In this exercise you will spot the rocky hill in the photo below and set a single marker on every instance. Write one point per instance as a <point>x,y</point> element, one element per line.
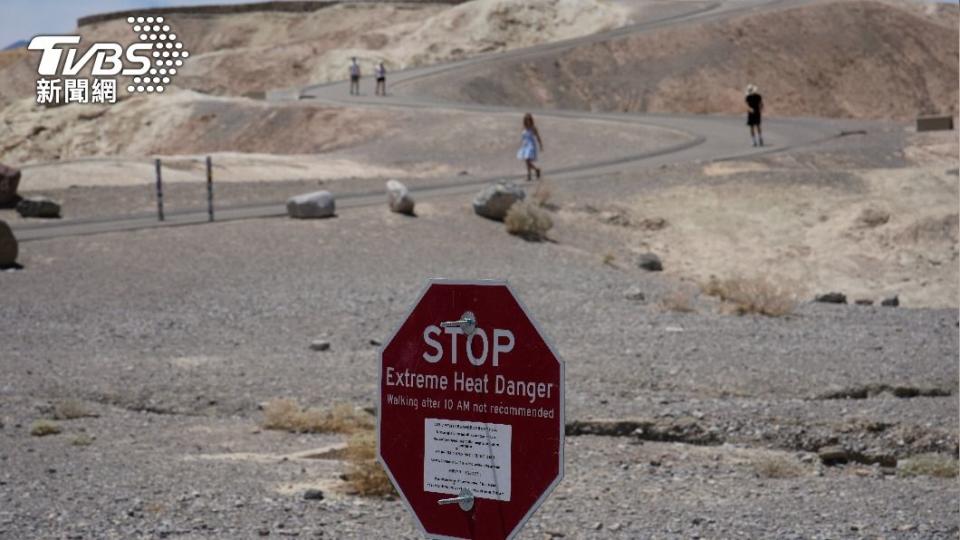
<point>859,59</point>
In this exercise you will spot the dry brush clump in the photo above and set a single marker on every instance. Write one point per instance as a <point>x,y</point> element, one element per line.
<point>288,415</point>
<point>543,195</point>
<point>679,300</point>
<point>777,467</point>
<point>937,465</point>
<point>42,428</point>
<point>71,409</point>
<point>752,295</point>
<point>365,475</point>
<point>528,221</point>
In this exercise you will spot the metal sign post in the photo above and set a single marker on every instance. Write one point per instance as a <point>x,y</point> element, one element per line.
<point>159,192</point>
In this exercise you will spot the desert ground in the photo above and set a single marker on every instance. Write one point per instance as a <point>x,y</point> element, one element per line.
<point>143,365</point>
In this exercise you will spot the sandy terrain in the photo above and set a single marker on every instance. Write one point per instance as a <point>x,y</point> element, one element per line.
<point>684,419</point>
<point>173,336</point>
<point>900,63</point>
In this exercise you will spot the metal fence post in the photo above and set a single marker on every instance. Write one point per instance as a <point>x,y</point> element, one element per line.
<point>210,187</point>
<point>159,193</point>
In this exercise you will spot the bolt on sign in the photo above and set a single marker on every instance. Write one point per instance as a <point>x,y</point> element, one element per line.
<point>470,425</point>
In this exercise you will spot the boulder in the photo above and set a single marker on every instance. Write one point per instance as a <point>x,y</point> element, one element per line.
<point>650,261</point>
<point>399,198</point>
<point>831,298</point>
<point>319,204</point>
<point>892,301</point>
<point>493,201</point>
<point>8,246</point>
<point>38,207</point>
<point>863,302</point>
<point>9,182</point>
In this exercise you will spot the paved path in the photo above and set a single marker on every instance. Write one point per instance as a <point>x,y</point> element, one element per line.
<point>710,135</point>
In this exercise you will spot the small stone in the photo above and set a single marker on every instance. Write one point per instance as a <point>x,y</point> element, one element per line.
<point>313,495</point>
<point>892,301</point>
<point>9,247</point>
<point>375,342</point>
<point>831,298</point>
<point>634,293</point>
<point>38,207</point>
<point>597,526</point>
<point>264,532</point>
<point>398,198</point>
<point>650,261</point>
<point>319,204</point>
<point>320,345</point>
<point>493,201</point>
<point>832,455</point>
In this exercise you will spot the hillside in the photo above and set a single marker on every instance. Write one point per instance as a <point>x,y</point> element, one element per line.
<point>858,59</point>
<point>253,52</point>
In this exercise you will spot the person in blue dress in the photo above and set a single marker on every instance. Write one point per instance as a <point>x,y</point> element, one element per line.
<point>530,143</point>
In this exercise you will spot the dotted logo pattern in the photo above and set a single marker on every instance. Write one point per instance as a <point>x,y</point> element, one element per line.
<point>168,54</point>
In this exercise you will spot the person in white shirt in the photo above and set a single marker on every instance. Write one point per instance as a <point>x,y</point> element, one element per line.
<point>354,78</point>
<point>381,89</point>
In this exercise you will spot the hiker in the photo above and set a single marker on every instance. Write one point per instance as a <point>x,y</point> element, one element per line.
<point>354,78</point>
<point>381,89</point>
<point>754,110</point>
<point>528,150</point>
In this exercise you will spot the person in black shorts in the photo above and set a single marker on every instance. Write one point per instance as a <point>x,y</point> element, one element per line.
<point>354,78</point>
<point>754,112</point>
<point>381,88</point>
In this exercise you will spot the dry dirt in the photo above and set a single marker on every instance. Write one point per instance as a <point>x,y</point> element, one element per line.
<point>901,62</point>
<point>238,54</point>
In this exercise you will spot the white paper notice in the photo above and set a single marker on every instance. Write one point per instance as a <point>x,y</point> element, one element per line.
<point>472,455</point>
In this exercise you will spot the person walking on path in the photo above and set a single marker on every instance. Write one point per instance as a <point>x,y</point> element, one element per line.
<point>754,111</point>
<point>381,89</point>
<point>528,149</point>
<point>354,78</point>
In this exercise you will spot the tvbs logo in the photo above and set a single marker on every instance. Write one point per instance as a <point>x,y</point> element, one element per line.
<point>152,62</point>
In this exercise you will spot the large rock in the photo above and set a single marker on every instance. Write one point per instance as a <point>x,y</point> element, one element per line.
<point>8,246</point>
<point>38,207</point>
<point>319,204</point>
<point>399,198</point>
<point>9,182</point>
<point>493,201</point>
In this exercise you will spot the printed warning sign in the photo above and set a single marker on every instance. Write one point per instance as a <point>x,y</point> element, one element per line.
<point>471,455</point>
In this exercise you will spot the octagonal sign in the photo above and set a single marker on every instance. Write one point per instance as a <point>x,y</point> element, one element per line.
<point>470,424</point>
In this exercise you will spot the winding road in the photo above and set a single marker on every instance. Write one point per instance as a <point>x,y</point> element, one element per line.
<point>709,136</point>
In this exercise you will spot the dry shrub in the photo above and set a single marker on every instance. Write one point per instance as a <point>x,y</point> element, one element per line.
<point>42,428</point>
<point>777,467</point>
<point>71,409</point>
<point>288,415</point>
<point>609,259</point>
<point>365,475</point>
<point>678,300</point>
<point>528,221</point>
<point>937,465</point>
<point>543,194</point>
<point>752,295</point>
<point>82,440</point>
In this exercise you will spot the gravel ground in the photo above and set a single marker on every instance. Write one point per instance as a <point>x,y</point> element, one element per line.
<point>175,336</point>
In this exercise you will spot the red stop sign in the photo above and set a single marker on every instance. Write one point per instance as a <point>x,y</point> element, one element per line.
<point>471,409</point>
